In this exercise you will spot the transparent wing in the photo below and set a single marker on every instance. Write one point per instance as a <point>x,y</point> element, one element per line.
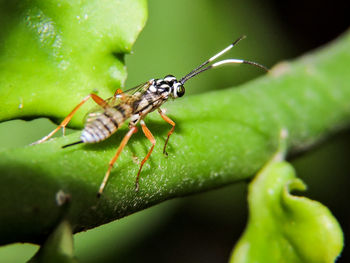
<point>97,110</point>
<point>127,96</point>
<point>138,90</point>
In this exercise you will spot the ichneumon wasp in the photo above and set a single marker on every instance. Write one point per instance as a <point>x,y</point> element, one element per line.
<point>135,104</point>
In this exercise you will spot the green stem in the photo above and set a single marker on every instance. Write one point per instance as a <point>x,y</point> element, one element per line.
<point>220,138</point>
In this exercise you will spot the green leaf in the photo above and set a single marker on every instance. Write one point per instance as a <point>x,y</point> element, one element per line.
<point>53,53</point>
<point>220,138</point>
<point>283,227</point>
<point>58,248</point>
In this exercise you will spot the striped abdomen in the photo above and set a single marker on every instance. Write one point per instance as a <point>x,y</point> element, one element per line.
<point>100,125</point>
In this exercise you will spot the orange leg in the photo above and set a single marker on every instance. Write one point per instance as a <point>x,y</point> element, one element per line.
<point>114,159</point>
<point>118,92</point>
<point>150,137</point>
<point>64,123</point>
<point>168,120</point>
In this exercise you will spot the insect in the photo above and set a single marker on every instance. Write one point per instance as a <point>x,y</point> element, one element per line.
<point>135,104</point>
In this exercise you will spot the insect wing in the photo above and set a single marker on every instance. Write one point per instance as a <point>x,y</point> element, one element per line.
<point>132,94</point>
<point>97,110</point>
<point>135,91</point>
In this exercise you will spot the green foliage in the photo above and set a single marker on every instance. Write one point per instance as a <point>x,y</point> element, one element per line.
<point>58,248</point>
<point>220,138</point>
<point>53,53</point>
<point>284,227</point>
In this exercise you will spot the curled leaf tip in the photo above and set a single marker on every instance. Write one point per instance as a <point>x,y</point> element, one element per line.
<point>291,223</point>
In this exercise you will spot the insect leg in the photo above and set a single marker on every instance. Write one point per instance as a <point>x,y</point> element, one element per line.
<point>66,120</point>
<point>150,137</point>
<point>118,92</point>
<point>171,122</point>
<point>114,159</point>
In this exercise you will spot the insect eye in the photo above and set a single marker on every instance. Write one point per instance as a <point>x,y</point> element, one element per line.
<point>180,90</point>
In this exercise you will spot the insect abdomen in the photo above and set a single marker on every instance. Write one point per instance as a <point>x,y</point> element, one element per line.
<point>101,125</point>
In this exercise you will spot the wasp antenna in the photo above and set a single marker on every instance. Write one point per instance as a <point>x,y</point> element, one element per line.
<point>226,49</point>
<point>239,61</point>
<point>71,144</point>
<point>200,68</point>
<point>223,62</point>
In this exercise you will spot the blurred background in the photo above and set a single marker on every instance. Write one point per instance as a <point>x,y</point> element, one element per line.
<point>178,36</point>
